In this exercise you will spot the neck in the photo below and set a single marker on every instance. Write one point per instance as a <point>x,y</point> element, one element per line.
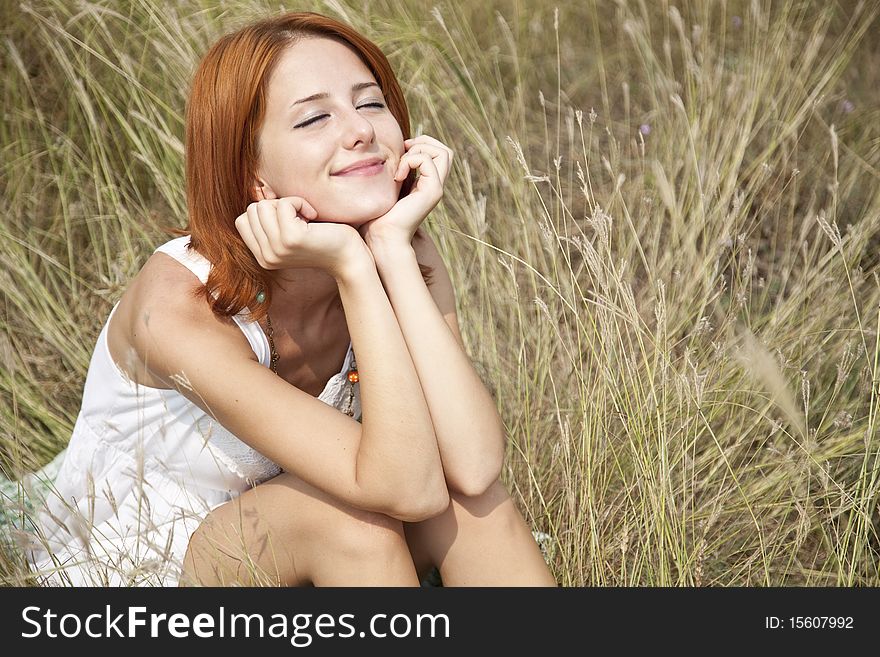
<point>304,295</point>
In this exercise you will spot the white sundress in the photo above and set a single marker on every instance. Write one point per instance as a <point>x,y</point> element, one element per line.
<point>143,468</point>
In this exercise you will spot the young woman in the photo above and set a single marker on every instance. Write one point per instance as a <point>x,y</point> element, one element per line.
<point>219,441</point>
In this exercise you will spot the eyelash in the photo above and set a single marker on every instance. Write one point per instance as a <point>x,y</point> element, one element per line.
<point>323,116</point>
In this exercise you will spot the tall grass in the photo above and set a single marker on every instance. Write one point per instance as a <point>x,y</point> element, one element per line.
<point>662,227</point>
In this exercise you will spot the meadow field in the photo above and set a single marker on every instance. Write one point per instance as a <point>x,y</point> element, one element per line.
<point>662,225</point>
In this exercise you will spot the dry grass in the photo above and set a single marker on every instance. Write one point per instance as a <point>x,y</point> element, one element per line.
<point>662,226</point>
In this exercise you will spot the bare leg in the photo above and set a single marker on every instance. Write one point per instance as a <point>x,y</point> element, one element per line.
<point>285,532</point>
<point>481,541</point>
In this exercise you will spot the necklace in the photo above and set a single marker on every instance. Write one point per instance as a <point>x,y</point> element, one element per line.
<point>352,375</point>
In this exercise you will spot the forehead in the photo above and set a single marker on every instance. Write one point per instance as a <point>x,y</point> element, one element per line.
<point>315,65</point>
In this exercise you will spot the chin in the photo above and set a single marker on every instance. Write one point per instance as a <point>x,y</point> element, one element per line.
<point>361,215</point>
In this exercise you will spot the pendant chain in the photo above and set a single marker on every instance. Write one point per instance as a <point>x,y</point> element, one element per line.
<point>352,376</point>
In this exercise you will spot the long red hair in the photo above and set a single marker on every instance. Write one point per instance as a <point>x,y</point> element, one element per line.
<point>224,113</point>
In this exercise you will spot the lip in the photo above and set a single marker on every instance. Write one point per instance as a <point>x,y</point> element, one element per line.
<point>368,167</point>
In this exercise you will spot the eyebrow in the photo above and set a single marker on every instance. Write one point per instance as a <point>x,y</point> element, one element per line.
<point>356,87</point>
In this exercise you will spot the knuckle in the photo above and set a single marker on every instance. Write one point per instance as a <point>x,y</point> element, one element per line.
<point>291,203</point>
<point>290,238</point>
<point>288,241</point>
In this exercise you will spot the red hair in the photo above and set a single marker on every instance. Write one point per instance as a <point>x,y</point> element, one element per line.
<point>224,113</point>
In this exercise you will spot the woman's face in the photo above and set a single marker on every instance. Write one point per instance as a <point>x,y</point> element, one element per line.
<point>304,144</point>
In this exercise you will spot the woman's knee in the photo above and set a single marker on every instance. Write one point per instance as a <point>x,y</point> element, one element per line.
<point>308,530</point>
<point>244,541</point>
<point>361,549</point>
<point>493,511</point>
<point>215,558</point>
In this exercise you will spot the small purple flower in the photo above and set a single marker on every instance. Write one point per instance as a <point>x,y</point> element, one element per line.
<point>645,129</point>
<point>847,106</point>
<point>737,22</point>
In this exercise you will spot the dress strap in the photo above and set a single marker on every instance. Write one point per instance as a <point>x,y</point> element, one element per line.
<point>178,248</point>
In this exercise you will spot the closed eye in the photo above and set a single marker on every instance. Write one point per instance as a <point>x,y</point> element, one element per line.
<point>324,116</point>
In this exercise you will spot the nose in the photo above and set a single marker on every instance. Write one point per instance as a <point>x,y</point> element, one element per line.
<point>357,129</point>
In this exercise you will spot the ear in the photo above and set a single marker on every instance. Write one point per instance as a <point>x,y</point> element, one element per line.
<point>262,190</point>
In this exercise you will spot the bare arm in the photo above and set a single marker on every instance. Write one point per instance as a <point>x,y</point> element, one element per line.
<point>398,451</point>
<point>390,464</point>
<point>470,432</point>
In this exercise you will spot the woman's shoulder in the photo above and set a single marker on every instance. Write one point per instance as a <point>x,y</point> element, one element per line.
<point>164,289</point>
<point>189,259</point>
<point>162,282</point>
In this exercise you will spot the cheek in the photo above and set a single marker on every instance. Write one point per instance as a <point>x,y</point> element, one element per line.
<point>396,157</point>
<point>391,136</point>
<point>291,174</point>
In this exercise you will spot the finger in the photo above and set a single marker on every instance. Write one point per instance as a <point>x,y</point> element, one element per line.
<point>309,211</point>
<point>437,150</point>
<point>426,139</point>
<point>263,213</point>
<point>305,208</point>
<point>426,167</point>
<point>438,154</point>
<point>409,161</point>
<point>269,225</point>
<point>243,225</point>
<point>289,225</point>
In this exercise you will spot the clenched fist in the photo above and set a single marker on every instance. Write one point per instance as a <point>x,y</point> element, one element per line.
<point>281,235</point>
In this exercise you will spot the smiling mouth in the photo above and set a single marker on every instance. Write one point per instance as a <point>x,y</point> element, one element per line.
<point>370,170</point>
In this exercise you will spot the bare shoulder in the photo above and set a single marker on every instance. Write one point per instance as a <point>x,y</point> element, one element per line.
<point>162,290</point>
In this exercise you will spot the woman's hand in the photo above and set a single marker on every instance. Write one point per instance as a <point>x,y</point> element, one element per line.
<point>432,159</point>
<point>280,234</point>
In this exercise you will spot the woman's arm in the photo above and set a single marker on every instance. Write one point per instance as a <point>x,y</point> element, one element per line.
<point>398,442</point>
<point>389,464</point>
<point>469,429</point>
